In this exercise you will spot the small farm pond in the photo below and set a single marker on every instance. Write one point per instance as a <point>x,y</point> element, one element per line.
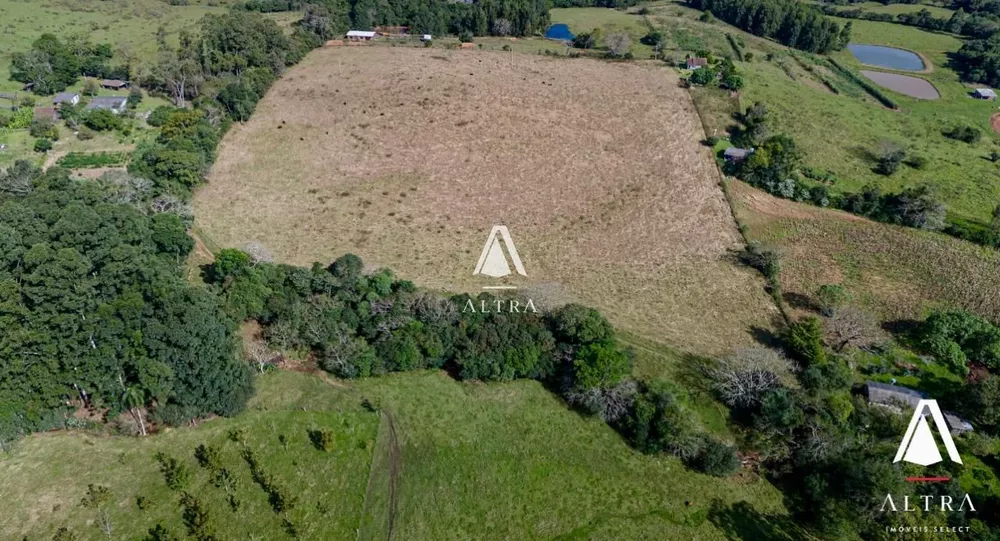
<point>559,31</point>
<point>887,57</point>
<point>914,87</point>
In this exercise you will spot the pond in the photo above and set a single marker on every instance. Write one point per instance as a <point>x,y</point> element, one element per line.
<point>904,84</point>
<point>887,57</point>
<point>559,31</point>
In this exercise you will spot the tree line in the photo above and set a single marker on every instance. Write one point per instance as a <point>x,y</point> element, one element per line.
<point>790,22</point>
<point>360,325</point>
<point>977,25</point>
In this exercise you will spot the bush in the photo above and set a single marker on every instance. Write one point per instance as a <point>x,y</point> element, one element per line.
<point>323,440</point>
<point>702,76</point>
<point>805,341</point>
<point>159,116</point>
<point>21,118</point>
<point>600,365</point>
<point>44,128</point>
<point>967,134</point>
<point>85,133</point>
<point>134,97</point>
<point>717,459</point>
<point>43,145</point>
<point>102,120</point>
<point>831,297</point>
<point>175,473</point>
<point>465,37</point>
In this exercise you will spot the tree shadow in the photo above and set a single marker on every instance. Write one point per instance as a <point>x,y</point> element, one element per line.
<point>863,153</point>
<point>766,337</point>
<point>900,327</point>
<point>800,301</point>
<point>740,521</point>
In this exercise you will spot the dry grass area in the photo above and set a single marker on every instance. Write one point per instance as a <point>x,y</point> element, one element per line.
<point>897,273</point>
<point>408,157</point>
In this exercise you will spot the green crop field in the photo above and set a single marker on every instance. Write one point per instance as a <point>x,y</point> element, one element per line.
<point>497,461</point>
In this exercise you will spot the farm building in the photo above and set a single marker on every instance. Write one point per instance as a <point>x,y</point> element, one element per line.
<point>48,113</point>
<point>956,425</point>
<point>71,98</point>
<point>737,155</point>
<point>115,104</point>
<point>892,395</point>
<point>425,37</point>
<point>696,63</point>
<point>360,35</point>
<point>114,84</point>
<point>985,94</point>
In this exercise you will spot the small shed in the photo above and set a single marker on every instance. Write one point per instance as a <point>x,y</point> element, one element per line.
<point>425,37</point>
<point>696,63</point>
<point>48,113</point>
<point>71,98</point>
<point>985,94</point>
<point>115,104</point>
<point>736,154</point>
<point>360,35</point>
<point>114,84</point>
<point>892,395</point>
<point>956,424</point>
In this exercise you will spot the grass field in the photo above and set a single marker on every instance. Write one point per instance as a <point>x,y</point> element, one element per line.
<point>505,461</point>
<point>407,157</point>
<point>47,475</point>
<point>130,24</point>
<point>838,132</point>
<point>896,272</point>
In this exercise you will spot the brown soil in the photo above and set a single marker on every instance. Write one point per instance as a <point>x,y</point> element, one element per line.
<point>995,122</point>
<point>408,157</point>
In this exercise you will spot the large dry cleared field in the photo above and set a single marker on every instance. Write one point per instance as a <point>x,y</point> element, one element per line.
<point>408,157</point>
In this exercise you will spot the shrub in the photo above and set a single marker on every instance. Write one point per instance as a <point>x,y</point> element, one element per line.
<point>208,457</point>
<point>44,128</point>
<point>43,145</point>
<point>966,134</point>
<point>134,97</point>
<point>323,440</point>
<point>702,76</point>
<point>85,134</point>
<point>916,162</point>
<point>717,459</point>
<point>102,120</point>
<point>831,297</point>
<point>21,118</point>
<point>600,365</point>
<point>159,116</point>
<point>175,473</point>
<point>805,340</point>
<point>465,37</point>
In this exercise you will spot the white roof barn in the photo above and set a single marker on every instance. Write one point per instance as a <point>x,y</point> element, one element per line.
<point>986,94</point>
<point>360,34</point>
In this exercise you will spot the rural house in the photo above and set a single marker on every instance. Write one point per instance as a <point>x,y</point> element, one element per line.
<point>892,395</point>
<point>696,63</point>
<point>114,84</point>
<point>360,35</point>
<point>71,98</point>
<point>47,113</point>
<point>736,154</point>
<point>115,104</point>
<point>985,94</point>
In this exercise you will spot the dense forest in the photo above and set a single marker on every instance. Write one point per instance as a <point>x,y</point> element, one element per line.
<point>790,22</point>
<point>486,17</point>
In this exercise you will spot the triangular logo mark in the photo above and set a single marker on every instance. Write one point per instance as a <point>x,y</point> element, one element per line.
<point>492,261</point>
<point>918,445</point>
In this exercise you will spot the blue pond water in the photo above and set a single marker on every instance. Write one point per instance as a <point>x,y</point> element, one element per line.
<point>559,31</point>
<point>886,57</point>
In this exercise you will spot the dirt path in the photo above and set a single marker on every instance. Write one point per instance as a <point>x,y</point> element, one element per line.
<point>395,465</point>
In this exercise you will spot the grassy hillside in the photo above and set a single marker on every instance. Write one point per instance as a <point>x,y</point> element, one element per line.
<point>474,461</point>
<point>896,272</point>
